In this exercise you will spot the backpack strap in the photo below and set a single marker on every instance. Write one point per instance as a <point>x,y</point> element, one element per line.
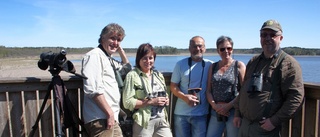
<point>236,80</point>
<point>144,85</point>
<point>214,66</point>
<point>155,74</point>
<point>273,87</point>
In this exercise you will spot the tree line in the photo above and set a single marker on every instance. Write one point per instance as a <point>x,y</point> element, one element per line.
<point>9,52</point>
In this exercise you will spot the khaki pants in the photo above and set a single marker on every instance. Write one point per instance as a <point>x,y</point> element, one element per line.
<point>157,127</point>
<point>98,128</point>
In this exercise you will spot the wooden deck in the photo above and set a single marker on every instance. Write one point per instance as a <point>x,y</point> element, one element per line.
<point>21,99</point>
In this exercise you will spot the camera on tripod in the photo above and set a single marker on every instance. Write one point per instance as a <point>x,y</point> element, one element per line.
<point>56,61</point>
<point>65,115</point>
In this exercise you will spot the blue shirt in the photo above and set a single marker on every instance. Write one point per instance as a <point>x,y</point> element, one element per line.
<point>180,75</point>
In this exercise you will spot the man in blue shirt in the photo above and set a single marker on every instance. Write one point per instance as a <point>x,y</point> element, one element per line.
<point>188,83</point>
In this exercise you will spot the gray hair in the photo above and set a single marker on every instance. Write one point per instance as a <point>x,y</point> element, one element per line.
<point>112,28</point>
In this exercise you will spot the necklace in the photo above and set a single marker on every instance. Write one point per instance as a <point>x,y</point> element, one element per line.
<point>224,66</point>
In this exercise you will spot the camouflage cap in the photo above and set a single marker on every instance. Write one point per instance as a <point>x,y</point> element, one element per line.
<point>271,24</point>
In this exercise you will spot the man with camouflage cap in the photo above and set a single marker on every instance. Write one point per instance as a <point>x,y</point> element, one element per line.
<point>272,90</point>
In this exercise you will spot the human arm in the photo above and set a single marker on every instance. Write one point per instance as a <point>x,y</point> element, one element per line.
<point>123,55</point>
<point>94,88</point>
<point>105,107</point>
<point>237,122</point>
<point>191,100</point>
<point>124,66</point>
<point>291,91</point>
<point>162,99</point>
<point>134,96</point>
<point>158,101</point>
<point>208,92</point>
<point>221,108</point>
<point>178,82</point>
<point>242,70</point>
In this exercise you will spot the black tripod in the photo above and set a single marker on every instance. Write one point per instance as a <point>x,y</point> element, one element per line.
<point>60,104</point>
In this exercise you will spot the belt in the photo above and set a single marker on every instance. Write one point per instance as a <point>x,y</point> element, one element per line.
<point>221,102</point>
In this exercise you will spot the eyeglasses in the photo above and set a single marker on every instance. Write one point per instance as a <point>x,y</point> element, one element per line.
<point>271,35</point>
<point>223,49</point>
<point>197,46</point>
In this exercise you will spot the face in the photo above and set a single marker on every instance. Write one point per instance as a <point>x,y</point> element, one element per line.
<point>197,48</point>
<point>146,62</point>
<point>111,43</point>
<point>270,41</point>
<point>225,50</point>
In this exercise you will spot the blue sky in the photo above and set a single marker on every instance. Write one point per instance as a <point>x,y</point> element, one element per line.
<point>78,23</point>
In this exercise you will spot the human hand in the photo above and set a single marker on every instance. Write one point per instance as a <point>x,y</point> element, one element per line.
<point>266,124</point>
<point>222,109</point>
<point>167,101</point>
<point>110,122</point>
<point>119,49</point>
<point>159,101</point>
<point>237,122</point>
<point>191,100</point>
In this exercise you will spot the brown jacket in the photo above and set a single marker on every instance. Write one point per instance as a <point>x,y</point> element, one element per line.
<point>288,93</point>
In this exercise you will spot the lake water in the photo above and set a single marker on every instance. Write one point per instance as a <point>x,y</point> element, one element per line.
<point>310,64</point>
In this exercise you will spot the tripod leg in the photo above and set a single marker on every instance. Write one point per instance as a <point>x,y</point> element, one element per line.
<point>58,101</point>
<point>57,117</point>
<point>35,126</point>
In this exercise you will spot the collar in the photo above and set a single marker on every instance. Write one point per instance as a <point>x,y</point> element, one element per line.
<point>141,73</point>
<point>275,55</point>
<point>105,52</point>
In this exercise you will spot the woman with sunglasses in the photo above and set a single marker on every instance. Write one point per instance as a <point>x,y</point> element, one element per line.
<point>224,80</point>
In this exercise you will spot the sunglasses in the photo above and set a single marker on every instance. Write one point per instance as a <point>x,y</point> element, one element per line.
<point>223,49</point>
<point>271,35</point>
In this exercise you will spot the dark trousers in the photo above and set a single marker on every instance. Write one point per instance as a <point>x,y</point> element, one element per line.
<point>253,129</point>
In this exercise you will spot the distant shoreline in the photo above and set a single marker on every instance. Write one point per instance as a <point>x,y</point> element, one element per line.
<point>27,67</point>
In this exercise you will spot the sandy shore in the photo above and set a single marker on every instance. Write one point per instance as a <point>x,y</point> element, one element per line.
<point>28,67</point>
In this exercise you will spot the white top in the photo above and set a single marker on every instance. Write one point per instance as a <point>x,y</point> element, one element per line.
<point>101,80</point>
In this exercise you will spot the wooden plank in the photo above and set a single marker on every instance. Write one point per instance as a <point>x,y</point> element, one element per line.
<point>46,116</point>
<point>31,111</point>
<point>285,130</point>
<point>33,84</point>
<point>296,123</point>
<point>311,118</point>
<point>312,90</point>
<point>4,124</point>
<point>13,87</point>
<point>34,100</point>
<point>16,113</point>
<point>73,96</point>
<point>306,122</point>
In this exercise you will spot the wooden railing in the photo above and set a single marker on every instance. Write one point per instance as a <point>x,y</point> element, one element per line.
<point>21,99</point>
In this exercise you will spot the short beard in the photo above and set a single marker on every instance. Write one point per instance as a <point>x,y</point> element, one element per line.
<point>197,57</point>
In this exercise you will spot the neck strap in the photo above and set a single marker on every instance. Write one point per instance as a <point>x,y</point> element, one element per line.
<point>144,85</point>
<point>190,64</point>
<point>109,57</point>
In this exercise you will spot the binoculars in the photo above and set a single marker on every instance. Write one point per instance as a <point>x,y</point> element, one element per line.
<point>222,118</point>
<point>195,92</point>
<point>119,79</point>
<point>256,83</point>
